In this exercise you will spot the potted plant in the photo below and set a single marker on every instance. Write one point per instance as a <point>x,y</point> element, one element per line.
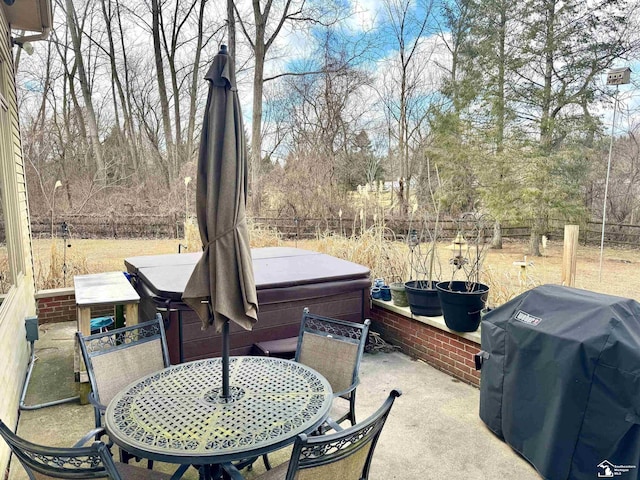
<point>424,261</point>
<point>425,265</point>
<point>464,300</point>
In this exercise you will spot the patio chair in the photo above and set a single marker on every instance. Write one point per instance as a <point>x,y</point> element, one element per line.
<point>116,358</point>
<point>334,348</point>
<point>78,462</point>
<point>344,455</point>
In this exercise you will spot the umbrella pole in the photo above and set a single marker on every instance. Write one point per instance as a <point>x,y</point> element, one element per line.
<point>225,359</point>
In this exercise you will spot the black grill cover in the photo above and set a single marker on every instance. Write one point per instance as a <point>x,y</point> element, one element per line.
<point>561,381</point>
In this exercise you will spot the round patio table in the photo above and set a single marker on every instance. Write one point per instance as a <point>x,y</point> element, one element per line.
<point>177,415</point>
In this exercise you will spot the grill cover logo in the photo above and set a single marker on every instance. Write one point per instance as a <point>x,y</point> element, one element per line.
<point>524,317</point>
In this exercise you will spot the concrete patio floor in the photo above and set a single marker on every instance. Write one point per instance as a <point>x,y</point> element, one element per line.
<point>433,431</point>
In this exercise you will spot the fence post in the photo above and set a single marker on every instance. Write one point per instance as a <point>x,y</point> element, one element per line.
<point>569,256</point>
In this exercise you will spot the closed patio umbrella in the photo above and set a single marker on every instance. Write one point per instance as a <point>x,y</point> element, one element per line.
<point>222,287</point>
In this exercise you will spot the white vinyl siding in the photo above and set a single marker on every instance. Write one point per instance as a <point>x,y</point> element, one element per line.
<point>19,302</point>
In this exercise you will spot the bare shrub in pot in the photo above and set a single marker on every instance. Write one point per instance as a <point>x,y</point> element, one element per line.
<point>464,299</point>
<point>470,247</point>
<point>425,268</point>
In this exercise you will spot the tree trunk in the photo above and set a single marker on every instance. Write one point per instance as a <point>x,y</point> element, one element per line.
<point>500,97</point>
<point>496,241</point>
<point>193,93</point>
<point>537,227</point>
<point>162,87</point>
<point>92,124</point>
<point>40,118</point>
<point>403,192</point>
<point>231,30</point>
<point>546,129</point>
<point>127,95</point>
<point>260,46</point>
<point>256,125</point>
<point>534,244</point>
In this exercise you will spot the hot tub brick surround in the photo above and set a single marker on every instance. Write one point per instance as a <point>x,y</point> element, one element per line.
<point>445,350</point>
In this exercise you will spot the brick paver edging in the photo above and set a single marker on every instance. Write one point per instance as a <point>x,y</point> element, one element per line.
<point>428,339</point>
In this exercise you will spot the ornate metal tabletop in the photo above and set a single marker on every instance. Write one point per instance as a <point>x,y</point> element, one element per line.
<point>177,415</point>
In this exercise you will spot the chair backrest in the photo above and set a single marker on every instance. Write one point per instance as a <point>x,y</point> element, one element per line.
<point>345,455</point>
<point>116,358</point>
<point>333,348</point>
<point>41,462</point>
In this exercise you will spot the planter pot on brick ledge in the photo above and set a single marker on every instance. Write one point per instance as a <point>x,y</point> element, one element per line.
<point>462,304</point>
<point>423,300</point>
<point>398,294</point>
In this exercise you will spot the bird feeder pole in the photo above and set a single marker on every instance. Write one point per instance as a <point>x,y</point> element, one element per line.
<point>617,77</point>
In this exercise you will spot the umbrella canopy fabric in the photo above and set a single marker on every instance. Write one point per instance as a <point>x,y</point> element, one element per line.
<point>222,285</point>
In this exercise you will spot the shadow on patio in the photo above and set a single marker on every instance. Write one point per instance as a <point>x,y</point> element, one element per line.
<point>433,431</point>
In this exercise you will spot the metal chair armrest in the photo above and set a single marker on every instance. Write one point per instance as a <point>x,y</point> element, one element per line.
<point>96,404</point>
<point>90,435</point>
<point>232,472</point>
<point>332,424</point>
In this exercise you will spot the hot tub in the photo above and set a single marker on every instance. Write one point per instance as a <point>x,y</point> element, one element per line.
<point>287,280</point>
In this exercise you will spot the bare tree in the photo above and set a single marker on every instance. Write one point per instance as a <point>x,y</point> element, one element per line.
<point>156,16</point>
<point>193,90</point>
<point>409,23</point>
<point>268,23</point>
<point>325,113</point>
<point>75,31</point>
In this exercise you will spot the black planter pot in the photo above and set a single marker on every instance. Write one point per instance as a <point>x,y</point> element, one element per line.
<point>422,300</point>
<point>461,306</point>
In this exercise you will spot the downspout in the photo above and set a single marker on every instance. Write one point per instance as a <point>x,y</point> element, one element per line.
<point>25,386</point>
<point>31,327</point>
<point>20,41</point>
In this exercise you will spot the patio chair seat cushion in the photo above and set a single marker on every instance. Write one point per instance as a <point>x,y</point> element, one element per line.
<point>282,347</point>
<point>131,472</point>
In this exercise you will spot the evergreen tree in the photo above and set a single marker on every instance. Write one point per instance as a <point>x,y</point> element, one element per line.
<point>566,45</point>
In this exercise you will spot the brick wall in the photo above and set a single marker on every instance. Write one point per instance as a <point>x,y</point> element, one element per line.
<point>59,305</point>
<point>444,350</point>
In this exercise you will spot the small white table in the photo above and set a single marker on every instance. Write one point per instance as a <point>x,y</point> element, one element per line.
<point>99,290</point>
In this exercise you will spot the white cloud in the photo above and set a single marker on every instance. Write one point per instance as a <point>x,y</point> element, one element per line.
<point>364,15</point>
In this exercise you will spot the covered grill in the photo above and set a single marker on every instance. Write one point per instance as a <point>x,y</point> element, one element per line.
<point>561,381</point>
<point>287,280</point>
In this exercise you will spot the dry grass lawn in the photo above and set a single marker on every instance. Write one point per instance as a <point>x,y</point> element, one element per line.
<point>620,275</point>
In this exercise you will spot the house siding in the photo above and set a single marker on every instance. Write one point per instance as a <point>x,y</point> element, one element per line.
<point>19,302</point>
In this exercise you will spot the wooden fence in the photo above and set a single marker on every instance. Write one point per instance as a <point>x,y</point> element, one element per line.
<point>172,226</point>
<point>111,226</point>
<point>614,234</point>
<point>394,228</point>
